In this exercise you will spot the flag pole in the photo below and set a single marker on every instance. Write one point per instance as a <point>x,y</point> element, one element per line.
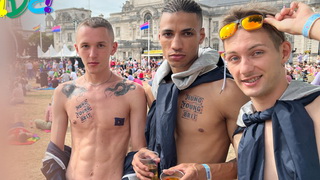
<point>41,41</point>
<point>148,45</point>
<point>61,43</point>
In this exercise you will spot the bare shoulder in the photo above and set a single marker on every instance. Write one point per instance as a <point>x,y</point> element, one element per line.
<point>236,142</point>
<point>314,112</point>
<point>215,91</point>
<point>149,95</point>
<point>128,91</point>
<point>147,88</point>
<point>231,89</point>
<point>229,92</point>
<point>69,89</point>
<point>124,87</point>
<point>60,88</point>
<point>231,98</point>
<point>314,109</point>
<point>317,102</point>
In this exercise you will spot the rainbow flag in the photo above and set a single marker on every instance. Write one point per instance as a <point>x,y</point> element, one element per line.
<point>144,26</point>
<point>37,28</point>
<point>56,29</point>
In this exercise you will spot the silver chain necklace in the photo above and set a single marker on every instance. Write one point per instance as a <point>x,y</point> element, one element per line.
<point>98,84</point>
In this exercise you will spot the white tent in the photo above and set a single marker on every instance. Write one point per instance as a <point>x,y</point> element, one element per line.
<point>74,54</point>
<point>50,53</point>
<point>40,52</point>
<point>64,52</point>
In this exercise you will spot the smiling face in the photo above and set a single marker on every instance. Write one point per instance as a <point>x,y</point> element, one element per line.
<point>95,46</point>
<point>256,64</point>
<point>180,36</point>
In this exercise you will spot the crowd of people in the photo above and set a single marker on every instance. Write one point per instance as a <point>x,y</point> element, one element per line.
<point>50,73</point>
<point>303,71</point>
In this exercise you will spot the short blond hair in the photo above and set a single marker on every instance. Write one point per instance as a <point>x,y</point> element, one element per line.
<point>96,22</point>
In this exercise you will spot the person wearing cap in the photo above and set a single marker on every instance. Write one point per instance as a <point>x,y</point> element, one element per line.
<point>279,129</point>
<point>191,122</point>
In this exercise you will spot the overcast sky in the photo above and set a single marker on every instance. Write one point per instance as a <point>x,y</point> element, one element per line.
<point>97,7</point>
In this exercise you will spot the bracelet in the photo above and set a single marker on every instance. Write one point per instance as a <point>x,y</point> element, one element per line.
<point>307,26</point>
<point>208,171</point>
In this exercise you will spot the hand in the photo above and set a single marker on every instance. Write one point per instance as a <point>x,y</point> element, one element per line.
<point>190,171</point>
<point>291,20</point>
<point>142,171</point>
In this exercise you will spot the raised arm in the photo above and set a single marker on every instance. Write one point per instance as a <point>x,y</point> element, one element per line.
<point>60,118</point>
<point>293,19</point>
<point>149,95</point>
<point>138,116</point>
<point>48,113</point>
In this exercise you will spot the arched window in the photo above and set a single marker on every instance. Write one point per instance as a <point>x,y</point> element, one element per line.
<point>148,18</point>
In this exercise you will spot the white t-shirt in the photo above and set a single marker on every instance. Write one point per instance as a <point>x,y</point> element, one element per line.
<point>65,77</point>
<point>29,66</point>
<point>76,63</point>
<point>73,75</point>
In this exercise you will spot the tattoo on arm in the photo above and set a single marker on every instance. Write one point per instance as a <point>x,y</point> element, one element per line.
<point>121,88</point>
<point>84,111</point>
<point>71,90</point>
<point>191,107</point>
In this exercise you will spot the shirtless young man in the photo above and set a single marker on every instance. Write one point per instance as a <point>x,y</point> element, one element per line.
<point>104,110</point>
<point>281,123</point>
<point>197,129</point>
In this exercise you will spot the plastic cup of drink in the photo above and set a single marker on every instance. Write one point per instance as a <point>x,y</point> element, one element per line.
<point>152,165</point>
<point>177,175</point>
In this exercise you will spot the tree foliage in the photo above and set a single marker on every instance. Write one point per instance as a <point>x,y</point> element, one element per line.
<point>34,40</point>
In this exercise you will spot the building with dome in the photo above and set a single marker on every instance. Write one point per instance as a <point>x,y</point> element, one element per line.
<point>133,42</point>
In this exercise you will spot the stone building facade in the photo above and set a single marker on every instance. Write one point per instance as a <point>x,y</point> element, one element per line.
<point>68,20</point>
<point>133,42</point>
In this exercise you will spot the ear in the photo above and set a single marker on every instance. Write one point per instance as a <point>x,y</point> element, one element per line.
<point>202,35</point>
<point>76,47</point>
<point>286,51</point>
<point>114,48</point>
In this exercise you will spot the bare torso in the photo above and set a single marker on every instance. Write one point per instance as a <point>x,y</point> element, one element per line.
<point>206,120</point>
<point>270,165</point>
<point>100,127</point>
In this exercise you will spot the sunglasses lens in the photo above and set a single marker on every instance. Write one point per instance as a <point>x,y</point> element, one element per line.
<point>252,22</point>
<point>228,30</point>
